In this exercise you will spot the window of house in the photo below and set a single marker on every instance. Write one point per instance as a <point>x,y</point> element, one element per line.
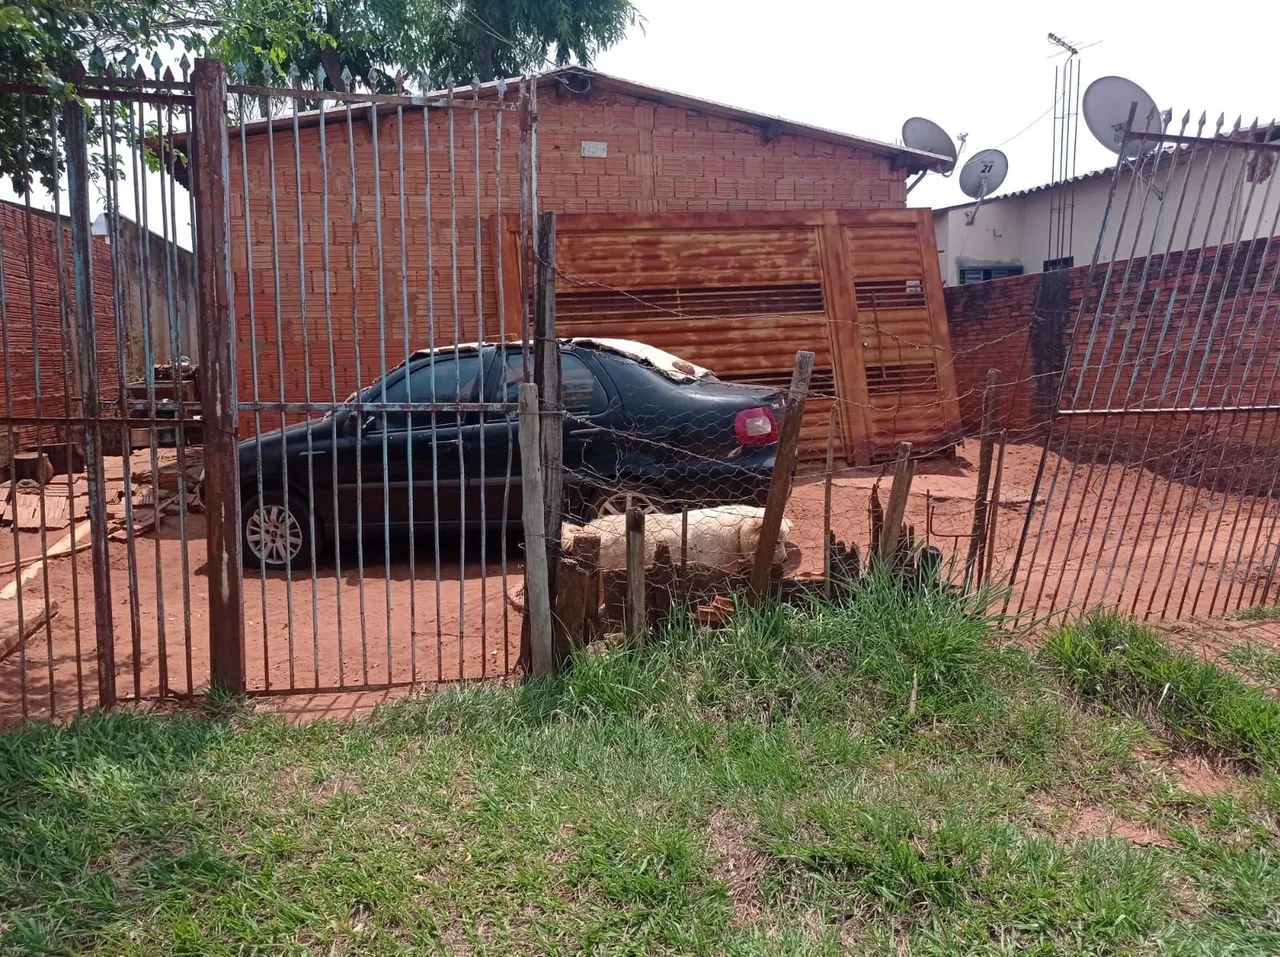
<point>1064,262</point>
<point>970,274</point>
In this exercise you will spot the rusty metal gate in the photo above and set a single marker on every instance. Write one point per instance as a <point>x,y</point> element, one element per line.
<point>258,413</point>
<point>1157,491</point>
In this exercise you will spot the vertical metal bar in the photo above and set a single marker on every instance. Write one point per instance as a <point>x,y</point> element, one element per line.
<point>108,121</point>
<point>431,345</point>
<point>500,289</point>
<point>457,338</point>
<point>169,230</point>
<point>482,479</point>
<point>353,205</point>
<point>306,390</point>
<point>218,379</point>
<point>82,252</point>
<point>39,436</point>
<point>13,479</point>
<point>410,492</point>
<point>382,373</point>
<point>280,385</point>
<point>326,267</point>
<point>141,206</point>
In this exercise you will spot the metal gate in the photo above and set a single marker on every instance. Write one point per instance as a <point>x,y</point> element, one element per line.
<point>193,263</point>
<point>1157,491</point>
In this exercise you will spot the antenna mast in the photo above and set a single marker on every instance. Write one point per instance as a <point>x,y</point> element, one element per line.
<point>1066,128</point>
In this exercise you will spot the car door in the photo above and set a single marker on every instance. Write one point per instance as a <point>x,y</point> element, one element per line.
<point>412,463</point>
<point>589,400</point>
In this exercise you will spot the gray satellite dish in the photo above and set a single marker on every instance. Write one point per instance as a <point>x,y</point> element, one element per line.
<point>1107,104</point>
<point>982,176</point>
<point>921,134</point>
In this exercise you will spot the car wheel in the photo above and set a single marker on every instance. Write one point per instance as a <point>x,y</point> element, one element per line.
<point>618,503</point>
<point>277,531</point>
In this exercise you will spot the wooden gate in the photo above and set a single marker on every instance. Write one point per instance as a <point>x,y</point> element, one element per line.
<point>740,292</point>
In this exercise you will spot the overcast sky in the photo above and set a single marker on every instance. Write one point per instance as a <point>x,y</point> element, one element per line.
<point>980,68</point>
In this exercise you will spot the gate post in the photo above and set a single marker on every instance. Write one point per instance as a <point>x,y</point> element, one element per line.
<point>217,376</point>
<point>86,354</point>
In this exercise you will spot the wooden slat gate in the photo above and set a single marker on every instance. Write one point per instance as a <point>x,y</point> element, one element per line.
<point>740,292</point>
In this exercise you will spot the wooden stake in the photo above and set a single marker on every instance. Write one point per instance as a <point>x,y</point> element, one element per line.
<point>826,506</point>
<point>903,472</point>
<point>783,464</point>
<point>537,602</point>
<point>978,533</point>
<point>634,613</point>
<point>993,510</point>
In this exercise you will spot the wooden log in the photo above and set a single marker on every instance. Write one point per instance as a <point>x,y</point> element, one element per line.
<point>903,471</point>
<point>993,511</point>
<point>12,635</point>
<point>977,536</point>
<point>783,465</point>
<point>827,537</point>
<point>875,514</point>
<point>634,613</point>
<point>537,596</point>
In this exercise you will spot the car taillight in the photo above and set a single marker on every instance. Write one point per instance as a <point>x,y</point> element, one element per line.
<point>756,427</point>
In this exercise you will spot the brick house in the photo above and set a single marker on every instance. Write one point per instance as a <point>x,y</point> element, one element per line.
<point>38,375</point>
<point>305,282</point>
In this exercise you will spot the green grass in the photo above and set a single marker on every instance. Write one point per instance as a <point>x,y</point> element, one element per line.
<point>1122,664</point>
<point>1257,613</point>
<point>1258,662</point>
<point>873,775</point>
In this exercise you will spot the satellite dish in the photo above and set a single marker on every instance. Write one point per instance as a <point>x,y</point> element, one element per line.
<point>921,134</point>
<point>983,174</point>
<point>1107,103</point>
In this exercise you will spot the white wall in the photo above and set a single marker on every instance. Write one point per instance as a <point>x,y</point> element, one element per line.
<point>1016,229</point>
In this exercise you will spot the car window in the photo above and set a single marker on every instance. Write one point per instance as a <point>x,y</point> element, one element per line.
<point>581,390</point>
<point>445,378</point>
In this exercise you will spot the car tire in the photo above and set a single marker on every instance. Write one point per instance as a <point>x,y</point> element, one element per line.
<point>618,502</point>
<point>276,531</point>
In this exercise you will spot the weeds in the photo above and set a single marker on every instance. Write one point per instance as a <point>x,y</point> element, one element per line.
<point>1256,613</point>
<point>1119,663</point>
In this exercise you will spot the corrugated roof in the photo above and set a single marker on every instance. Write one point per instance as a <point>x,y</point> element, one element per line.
<point>1030,190</point>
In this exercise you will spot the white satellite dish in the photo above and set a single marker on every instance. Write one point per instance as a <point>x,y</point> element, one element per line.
<point>1107,105</point>
<point>921,134</point>
<point>982,176</point>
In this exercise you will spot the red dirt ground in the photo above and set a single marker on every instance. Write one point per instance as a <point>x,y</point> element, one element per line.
<point>297,637</point>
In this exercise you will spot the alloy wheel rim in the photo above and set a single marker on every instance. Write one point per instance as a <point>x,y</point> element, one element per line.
<point>273,534</point>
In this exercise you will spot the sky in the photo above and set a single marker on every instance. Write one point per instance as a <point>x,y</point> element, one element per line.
<point>986,69</point>
<point>983,69</point>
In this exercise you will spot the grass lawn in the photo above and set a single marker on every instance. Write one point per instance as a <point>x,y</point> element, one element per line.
<point>878,775</point>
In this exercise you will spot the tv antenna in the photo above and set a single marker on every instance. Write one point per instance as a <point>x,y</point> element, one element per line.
<point>921,134</point>
<point>982,176</point>
<point>1066,127</point>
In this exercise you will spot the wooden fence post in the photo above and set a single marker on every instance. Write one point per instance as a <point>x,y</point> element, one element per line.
<point>537,597</point>
<point>634,612</point>
<point>903,472</point>
<point>218,377</point>
<point>827,538</point>
<point>993,511</point>
<point>977,535</point>
<point>780,482</point>
<point>546,374</point>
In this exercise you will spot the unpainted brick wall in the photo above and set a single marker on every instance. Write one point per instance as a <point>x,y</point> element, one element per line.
<point>33,327</point>
<point>1221,348</point>
<point>659,159</point>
